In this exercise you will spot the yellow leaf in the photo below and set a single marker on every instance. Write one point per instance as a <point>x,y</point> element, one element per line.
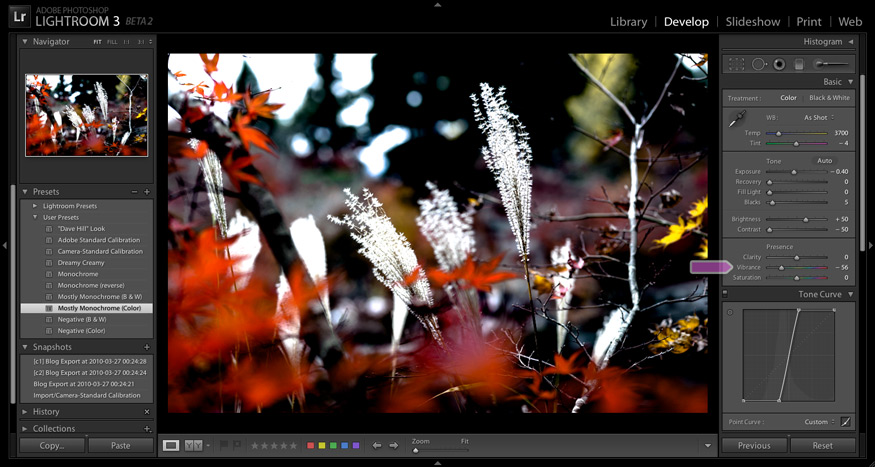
<point>682,344</point>
<point>693,224</point>
<point>703,251</point>
<point>675,232</point>
<point>658,346</point>
<point>667,335</point>
<point>699,207</point>
<point>688,324</point>
<point>542,284</point>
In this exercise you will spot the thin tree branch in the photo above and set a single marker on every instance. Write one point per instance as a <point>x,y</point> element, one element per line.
<point>609,146</point>
<point>605,90</point>
<point>606,144</point>
<point>519,356</point>
<point>484,196</point>
<point>635,365</point>
<point>604,257</point>
<point>652,160</point>
<point>692,297</point>
<point>610,215</point>
<point>664,91</point>
<point>669,183</point>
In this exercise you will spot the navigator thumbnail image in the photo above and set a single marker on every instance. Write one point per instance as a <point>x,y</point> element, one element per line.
<point>86,115</point>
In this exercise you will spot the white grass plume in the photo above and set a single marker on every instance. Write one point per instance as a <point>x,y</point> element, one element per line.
<point>399,317</point>
<point>387,249</point>
<point>451,235</point>
<point>102,99</point>
<point>74,119</point>
<point>245,249</point>
<point>215,185</point>
<point>288,321</point>
<point>311,247</point>
<point>448,231</point>
<point>88,114</point>
<point>56,126</point>
<point>508,156</point>
<point>395,263</point>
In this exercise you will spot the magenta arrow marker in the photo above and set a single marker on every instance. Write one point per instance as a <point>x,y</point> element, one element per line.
<point>720,266</point>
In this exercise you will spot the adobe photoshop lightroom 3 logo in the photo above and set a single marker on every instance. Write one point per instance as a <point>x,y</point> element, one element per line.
<point>19,16</point>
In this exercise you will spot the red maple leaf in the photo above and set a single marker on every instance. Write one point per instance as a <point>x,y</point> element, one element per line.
<point>234,168</point>
<point>616,137</point>
<point>191,115</point>
<point>478,275</point>
<point>251,136</point>
<point>37,133</point>
<point>303,290</point>
<point>535,387</point>
<point>411,278</point>
<point>198,274</point>
<point>210,65</point>
<point>563,366</point>
<point>238,319</point>
<point>614,392</point>
<point>225,93</point>
<point>200,88</point>
<point>198,153</point>
<point>258,106</point>
<point>261,384</point>
<point>179,74</point>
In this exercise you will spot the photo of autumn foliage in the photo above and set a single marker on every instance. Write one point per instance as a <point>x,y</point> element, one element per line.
<point>86,115</point>
<point>458,233</point>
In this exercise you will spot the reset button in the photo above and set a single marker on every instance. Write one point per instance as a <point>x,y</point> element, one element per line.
<point>810,445</point>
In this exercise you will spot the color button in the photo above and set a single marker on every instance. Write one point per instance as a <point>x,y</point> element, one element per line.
<point>321,445</point>
<point>344,445</point>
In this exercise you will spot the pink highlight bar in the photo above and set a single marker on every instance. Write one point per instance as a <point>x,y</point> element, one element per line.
<point>720,266</point>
